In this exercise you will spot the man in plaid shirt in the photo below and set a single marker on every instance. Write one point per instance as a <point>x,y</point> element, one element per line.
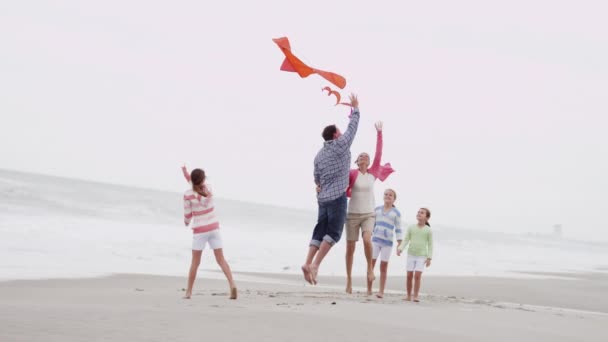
<point>332,165</point>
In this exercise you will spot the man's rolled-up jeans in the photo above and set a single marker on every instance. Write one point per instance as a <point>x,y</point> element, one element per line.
<point>330,222</point>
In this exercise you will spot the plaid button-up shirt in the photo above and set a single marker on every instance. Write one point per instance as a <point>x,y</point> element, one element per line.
<point>332,163</point>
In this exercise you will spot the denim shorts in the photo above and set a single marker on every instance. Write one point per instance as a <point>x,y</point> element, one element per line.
<point>330,222</point>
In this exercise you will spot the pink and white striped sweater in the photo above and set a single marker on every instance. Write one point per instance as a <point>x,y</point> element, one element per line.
<point>200,211</point>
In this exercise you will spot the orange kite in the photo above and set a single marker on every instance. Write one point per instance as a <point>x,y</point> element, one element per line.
<point>294,64</point>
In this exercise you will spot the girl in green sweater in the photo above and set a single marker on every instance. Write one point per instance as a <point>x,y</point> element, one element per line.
<point>420,253</point>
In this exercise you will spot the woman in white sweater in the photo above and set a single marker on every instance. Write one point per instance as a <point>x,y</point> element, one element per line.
<point>360,217</point>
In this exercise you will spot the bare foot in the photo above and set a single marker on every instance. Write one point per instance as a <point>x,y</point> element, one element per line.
<point>369,292</point>
<point>188,295</point>
<point>416,300</point>
<point>408,298</point>
<point>233,293</point>
<point>314,270</point>
<point>380,295</point>
<point>306,271</point>
<point>349,286</point>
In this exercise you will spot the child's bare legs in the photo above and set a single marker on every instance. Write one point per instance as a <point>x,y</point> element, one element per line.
<point>383,270</point>
<point>410,278</point>
<point>350,253</point>
<point>370,283</point>
<point>221,261</point>
<point>312,250</point>
<point>196,261</point>
<point>417,279</point>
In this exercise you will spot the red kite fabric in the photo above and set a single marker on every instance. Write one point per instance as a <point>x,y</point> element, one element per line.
<point>294,64</point>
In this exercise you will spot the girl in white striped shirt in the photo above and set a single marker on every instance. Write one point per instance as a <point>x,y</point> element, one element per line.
<point>386,228</point>
<point>199,210</point>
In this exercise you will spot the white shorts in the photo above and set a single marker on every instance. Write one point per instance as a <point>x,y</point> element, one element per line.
<point>381,250</point>
<point>201,239</point>
<point>415,263</point>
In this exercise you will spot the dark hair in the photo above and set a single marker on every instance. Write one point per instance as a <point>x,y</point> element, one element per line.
<point>328,132</point>
<point>428,215</point>
<point>197,176</point>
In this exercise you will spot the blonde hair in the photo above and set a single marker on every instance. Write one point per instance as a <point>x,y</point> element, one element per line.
<point>359,156</point>
<point>394,195</point>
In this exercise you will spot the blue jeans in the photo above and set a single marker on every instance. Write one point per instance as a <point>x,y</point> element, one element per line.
<point>330,222</point>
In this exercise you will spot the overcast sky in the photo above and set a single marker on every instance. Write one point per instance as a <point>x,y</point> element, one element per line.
<point>495,112</point>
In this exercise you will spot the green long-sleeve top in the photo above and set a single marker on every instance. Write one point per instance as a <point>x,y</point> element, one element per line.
<point>420,240</point>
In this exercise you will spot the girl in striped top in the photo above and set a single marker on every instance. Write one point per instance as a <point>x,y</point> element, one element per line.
<point>199,213</point>
<point>386,228</point>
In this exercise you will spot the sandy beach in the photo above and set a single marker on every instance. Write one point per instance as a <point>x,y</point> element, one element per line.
<point>281,307</point>
<point>107,284</point>
<point>135,135</point>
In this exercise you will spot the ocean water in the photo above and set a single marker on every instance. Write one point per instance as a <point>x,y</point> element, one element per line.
<point>54,227</point>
